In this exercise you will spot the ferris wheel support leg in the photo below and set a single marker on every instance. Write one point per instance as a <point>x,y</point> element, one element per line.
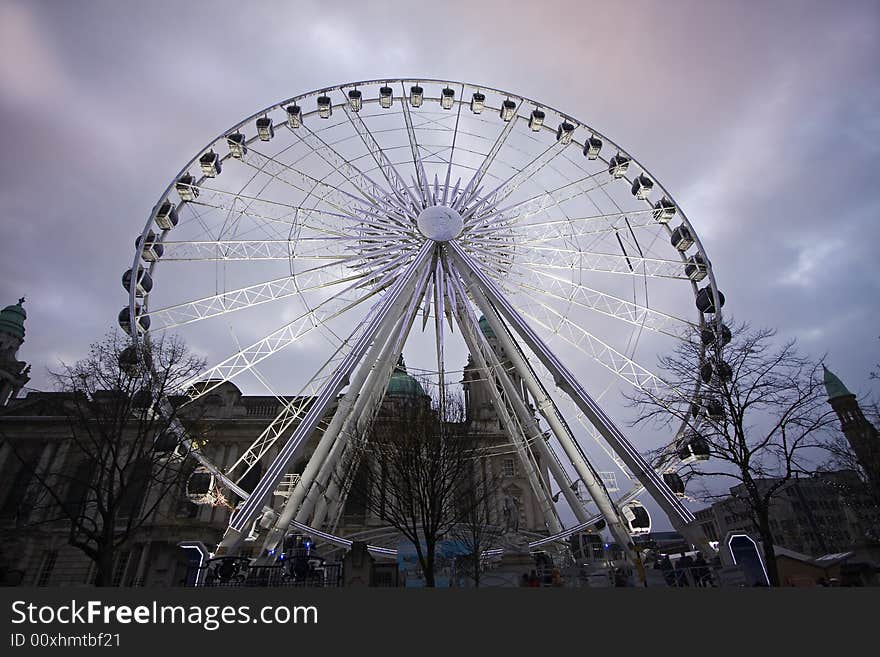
<point>366,393</point>
<point>582,466</point>
<point>300,505</point>
<point>358,421</point>
<point>326,444</point>
<point>390,305</point>
<point>486,290</point>
<point>479,350</point>
<point>527,419</point>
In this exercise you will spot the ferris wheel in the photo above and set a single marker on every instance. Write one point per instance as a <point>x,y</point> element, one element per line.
<point>358,220</point>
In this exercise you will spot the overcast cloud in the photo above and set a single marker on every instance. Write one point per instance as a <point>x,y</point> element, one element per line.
<point>761,118</point>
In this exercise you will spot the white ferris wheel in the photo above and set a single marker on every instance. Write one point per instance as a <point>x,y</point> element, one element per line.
<point>356,220</point>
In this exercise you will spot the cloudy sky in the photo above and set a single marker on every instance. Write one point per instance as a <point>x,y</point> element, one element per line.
<point>761,118</point>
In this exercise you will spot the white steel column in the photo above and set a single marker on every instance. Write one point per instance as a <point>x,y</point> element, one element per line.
<point>371,382</point>
<point>527,420</point>
<point>584,469</point>
<point>678,514</point>
<point>389,306</point>
<point>517,437</point>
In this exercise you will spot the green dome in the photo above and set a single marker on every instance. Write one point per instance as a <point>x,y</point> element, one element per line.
<point>12,320</point>
<point>834,386</point>
<point>402,384</point>
<point>485,328</point>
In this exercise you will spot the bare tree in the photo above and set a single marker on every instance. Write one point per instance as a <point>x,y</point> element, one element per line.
<point>119,456</point>
<point>478,529</point>
<point>761,408</point>
<point>415,472</point>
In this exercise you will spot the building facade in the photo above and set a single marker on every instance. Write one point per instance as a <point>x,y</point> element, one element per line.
<point>35,551</point>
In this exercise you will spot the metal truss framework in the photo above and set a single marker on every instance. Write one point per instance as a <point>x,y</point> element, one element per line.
<point>547,248</point>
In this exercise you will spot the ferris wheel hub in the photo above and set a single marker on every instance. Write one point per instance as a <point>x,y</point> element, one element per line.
<point>440,223</point>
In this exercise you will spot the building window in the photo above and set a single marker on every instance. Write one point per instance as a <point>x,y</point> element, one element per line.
<point>121,565</point>
<point>508,468</point>
<point>47,567</point>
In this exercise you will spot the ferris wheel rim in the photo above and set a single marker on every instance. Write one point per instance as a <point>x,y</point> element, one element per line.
<point>133,300</point>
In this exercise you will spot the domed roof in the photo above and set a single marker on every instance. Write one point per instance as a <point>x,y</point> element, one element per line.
<point>834,386</point>
<point>12,320</point>
<point>485,328</point>
<point>402,384</point>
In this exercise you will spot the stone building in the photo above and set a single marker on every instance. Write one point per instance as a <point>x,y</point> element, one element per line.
<point>36,552</point>
<point>825,513</point>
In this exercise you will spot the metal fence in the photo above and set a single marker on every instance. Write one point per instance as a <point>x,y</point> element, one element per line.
<point>241,574</point>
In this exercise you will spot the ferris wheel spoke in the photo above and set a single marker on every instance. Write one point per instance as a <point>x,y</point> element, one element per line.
<point>293,409</point>
<point>540,202</point>
<point>565,290</point>
<point>612,263</point>
<point>246,297</point>
<point>343,202</point>
<point>250,250</point>
<point>627,369</point>
<point>288,334</point>
<point>494,198</point>
<point>266,210</point>
<point>570,228</point>
<point>420,175</point>
<point>375,194</point>
<point>399,187</point>
<point>473,186</point>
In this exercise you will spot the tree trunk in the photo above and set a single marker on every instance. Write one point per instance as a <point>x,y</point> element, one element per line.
<point>428,566</point>
<point>104,567</point>
<point>767,541</point>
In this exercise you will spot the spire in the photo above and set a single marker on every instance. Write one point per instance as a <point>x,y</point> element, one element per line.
<point>833,385</point>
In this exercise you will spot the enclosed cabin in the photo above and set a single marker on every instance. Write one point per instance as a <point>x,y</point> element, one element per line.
<point>152,249</point>
<point>294,116</point>
<point>618,165</point>
<point>674,482</point>
<point>386,97</point>
<point>210,164</point>
<point>693,447</point>
<point>166,217</point>
<point>664,210</point>
<point>237,145</point>
<point>705,300</point>
<point>508,110</point>
<point>186,188</point>
<point>447,98</point>
<point>143,282</point>
<point>416,95</point>
<point>536,120</point>
<point>325,107</point>
<point>130,360</point>
<point>587,548</point>
<point>592,146</point>
<point>142,320</point>
<point>355,100</point>
<point>265,129</point>
<point>681,238</point>
<point>714,409</point>
<point>637,518</point>
<point>565,132</point>
<point>200,486</point>
<point>710,335</point>
<point>642,186</point>
<point>695,268</point>
<point>478,102</point>
<point>717,367</point>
